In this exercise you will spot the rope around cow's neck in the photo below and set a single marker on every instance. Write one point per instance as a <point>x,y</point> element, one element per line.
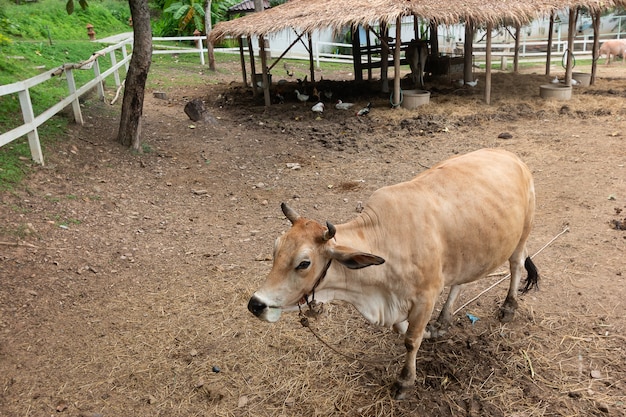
<point>304,321</point>
<point>315,310</point>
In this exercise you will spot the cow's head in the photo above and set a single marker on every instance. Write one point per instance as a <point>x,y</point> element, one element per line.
<point>301,258</point>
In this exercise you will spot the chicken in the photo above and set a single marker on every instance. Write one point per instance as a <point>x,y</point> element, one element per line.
<point>472,83</point>
<point>459,83</point>
<point>301,97</point>
<point>343,106</point>
<point>302,82</point>
<point>318,107</point>
<point>288,69</point>
<point>365,110</point>
<point>316,94</point>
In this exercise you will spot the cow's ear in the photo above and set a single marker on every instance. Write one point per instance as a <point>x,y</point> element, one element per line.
<point>353,259</point>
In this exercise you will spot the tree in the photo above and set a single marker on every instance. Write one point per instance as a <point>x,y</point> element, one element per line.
<point>186,12</point>
<point>129,133</point>
<point>208,25</point>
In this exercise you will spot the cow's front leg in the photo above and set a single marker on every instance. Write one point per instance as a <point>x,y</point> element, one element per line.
<point>418,319</point>
<point>440,327</point>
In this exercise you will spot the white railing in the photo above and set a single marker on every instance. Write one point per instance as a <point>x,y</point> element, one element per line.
<point>160,48</point>
<point>22,89</point>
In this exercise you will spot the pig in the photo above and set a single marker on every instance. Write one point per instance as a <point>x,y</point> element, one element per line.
<point>613,47</point>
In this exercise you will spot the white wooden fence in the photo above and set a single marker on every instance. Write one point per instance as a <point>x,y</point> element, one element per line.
<point>22,89</point>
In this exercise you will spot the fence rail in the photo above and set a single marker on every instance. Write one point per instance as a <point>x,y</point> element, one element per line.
<point>22,89</point>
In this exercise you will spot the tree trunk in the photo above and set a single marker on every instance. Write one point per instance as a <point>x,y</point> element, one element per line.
<point>129,133</point>
<point>595,20</point>
<point>571,30</point>
<point>208,26</point>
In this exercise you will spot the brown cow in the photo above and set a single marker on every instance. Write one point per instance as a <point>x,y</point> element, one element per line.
<point>449,226</point>
<point>615,47</point>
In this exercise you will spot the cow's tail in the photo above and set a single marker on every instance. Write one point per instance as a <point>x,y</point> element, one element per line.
<point>532,280</point>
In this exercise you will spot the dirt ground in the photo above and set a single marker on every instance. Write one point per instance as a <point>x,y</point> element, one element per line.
<point>125,276</point>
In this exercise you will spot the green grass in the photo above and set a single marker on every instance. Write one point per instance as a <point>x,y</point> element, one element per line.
<point>47,20</point>
<point>36,37</point>
<point>12,166</point>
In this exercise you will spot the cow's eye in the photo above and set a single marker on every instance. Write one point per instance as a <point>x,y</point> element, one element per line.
<point>303,265</point>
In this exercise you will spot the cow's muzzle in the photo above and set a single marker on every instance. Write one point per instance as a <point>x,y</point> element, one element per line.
<point>260,309</point>
<point>256,306</point>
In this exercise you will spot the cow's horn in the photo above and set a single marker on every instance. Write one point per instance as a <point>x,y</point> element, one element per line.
<point>330,233</point>
<point>289,213</point>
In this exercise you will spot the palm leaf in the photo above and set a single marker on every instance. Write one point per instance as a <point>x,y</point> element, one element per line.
<point>188,17</point>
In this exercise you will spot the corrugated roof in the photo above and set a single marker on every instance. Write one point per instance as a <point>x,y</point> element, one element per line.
<point>247,6</point>
<point>308,15</point>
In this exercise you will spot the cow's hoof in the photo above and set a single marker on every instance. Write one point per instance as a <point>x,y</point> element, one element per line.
<point>399,391</point>
<point>506,314</point>
<point>434,331</point>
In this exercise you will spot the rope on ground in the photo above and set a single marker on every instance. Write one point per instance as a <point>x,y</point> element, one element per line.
<point>565,230</point>
<point>117,93</point>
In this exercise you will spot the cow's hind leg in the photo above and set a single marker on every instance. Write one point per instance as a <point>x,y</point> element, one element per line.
<point>518,261</point>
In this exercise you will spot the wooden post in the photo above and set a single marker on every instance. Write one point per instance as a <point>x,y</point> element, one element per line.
<point>98,76</point>
<point>549,53</point>
<point>33,135</point>
<point>396,64</point>
<point>468,52</point>
<point>434,39</point>
<point>124,56</point>
<point>368,44</point>
<point>518,31</point>
<point>252,67</point>
<point>356,53</point>
<point>242,59</point>
<point>488,64</point>
<point>311,62</point>
<point>116,75</point>
<point>571,29</point>
<point>71,85</point>
<point>384,57</point>
<point>595,20</point>
<point>265,77</point>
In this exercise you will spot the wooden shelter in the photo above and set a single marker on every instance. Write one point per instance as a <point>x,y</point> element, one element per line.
<point>306,16</point>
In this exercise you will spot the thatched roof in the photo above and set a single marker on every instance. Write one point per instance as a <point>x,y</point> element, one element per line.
<point>311,15</point>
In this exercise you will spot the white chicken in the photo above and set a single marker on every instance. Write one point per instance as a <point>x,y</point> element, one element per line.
<point>555,80</point>
<point>301,97</point>
<point>318,108</point>
<point>472,83</point>
<point>343,106</point>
